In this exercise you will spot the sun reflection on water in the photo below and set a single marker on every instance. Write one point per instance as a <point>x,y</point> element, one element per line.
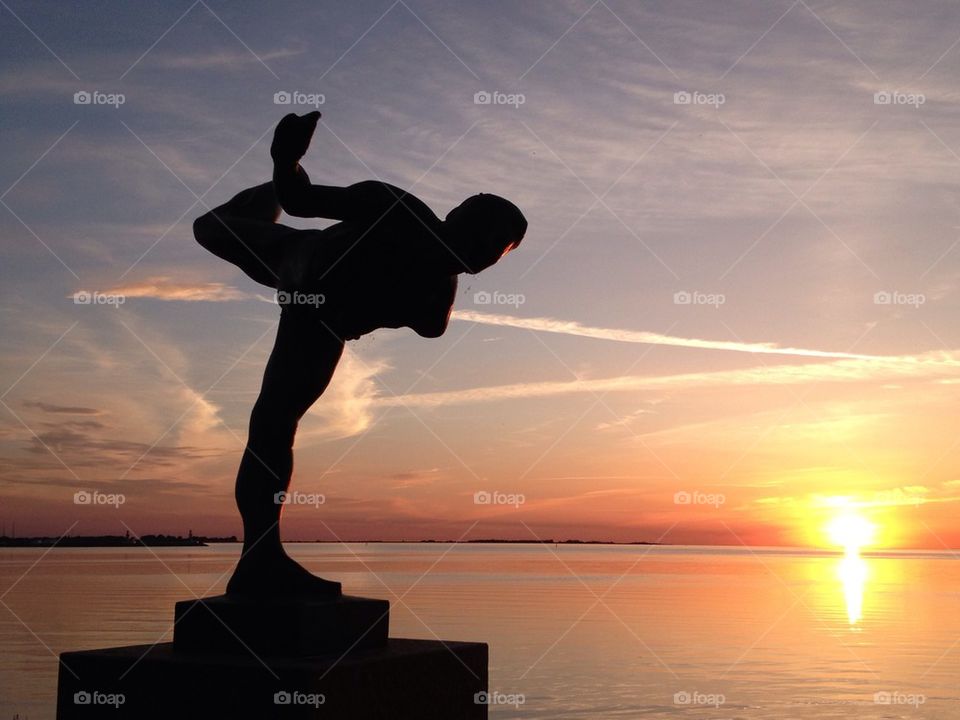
<point>852,571</point>
<point>852,532</point>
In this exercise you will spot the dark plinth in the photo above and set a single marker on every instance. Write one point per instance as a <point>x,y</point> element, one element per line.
<point>403,680</point>
<point>280,628</point>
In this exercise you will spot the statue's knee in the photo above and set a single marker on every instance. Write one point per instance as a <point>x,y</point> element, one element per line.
<point>203,232</point>
<point>271,424</point>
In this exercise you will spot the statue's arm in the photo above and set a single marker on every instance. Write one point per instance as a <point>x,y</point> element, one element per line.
<point>433,323</point>
<point>365,201</point>
<point>296,194</point>
<point>299,198</point>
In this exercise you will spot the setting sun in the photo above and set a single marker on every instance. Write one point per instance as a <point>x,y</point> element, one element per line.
<point>851,531</point>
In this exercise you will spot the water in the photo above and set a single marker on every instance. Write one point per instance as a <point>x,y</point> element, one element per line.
<point>574,632</point>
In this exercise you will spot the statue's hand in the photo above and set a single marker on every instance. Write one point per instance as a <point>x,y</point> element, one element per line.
<point>292,137</point>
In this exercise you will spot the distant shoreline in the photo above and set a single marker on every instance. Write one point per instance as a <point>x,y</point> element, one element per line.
<point>203,541</point>
<point>115,541</point>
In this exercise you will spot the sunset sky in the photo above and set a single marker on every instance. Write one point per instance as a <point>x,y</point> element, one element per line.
<point>749,299</point>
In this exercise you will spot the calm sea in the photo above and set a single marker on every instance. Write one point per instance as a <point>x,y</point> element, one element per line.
<point>574,632</point>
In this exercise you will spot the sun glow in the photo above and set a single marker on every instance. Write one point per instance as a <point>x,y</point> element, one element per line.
<point>851,532</point>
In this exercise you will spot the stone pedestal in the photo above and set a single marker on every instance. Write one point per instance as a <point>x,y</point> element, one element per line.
<point>318,660</point>
<point>275,627</point>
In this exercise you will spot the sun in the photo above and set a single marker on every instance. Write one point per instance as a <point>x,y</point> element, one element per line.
<point>851,531</point>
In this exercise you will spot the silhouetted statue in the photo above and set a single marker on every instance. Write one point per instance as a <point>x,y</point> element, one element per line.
<point>389,262</point>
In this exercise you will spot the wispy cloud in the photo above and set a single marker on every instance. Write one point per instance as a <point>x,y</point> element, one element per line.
<point>880,497</point>
<point>348,403</point>
<point>164,288</point>
<point>222,59</point>
<point>60,409</point>
<point>569,327</point>
<point>858,369</point>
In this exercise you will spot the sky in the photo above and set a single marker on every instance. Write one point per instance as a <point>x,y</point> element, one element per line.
<point>731,319</point>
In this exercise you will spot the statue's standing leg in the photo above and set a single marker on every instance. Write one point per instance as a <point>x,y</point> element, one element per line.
<point>305,355</point>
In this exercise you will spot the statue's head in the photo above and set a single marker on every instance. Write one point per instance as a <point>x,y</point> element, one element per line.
<point>482,229</point>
